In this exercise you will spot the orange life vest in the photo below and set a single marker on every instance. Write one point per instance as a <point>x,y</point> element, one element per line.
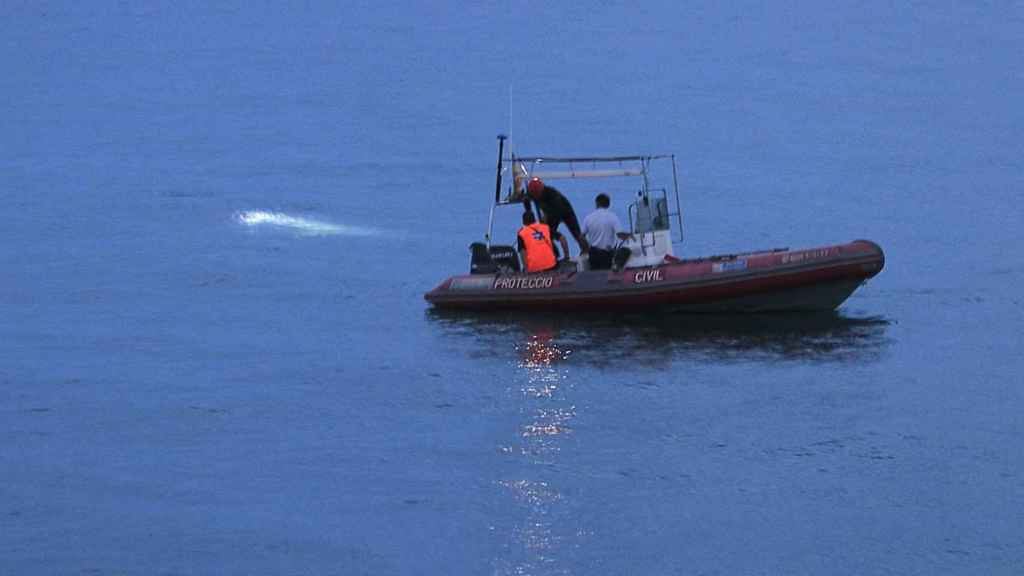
<point>540,253</point>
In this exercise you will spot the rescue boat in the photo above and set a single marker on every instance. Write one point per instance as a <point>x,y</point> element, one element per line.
<point>649,276</point>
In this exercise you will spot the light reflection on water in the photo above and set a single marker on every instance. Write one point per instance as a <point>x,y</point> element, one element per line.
<point>548,413</point>
<point>545,393</point>
<point>545,351</point>
<point>626,342</point>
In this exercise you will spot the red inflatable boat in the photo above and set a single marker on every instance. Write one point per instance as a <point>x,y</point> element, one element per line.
<point>652,278</point>
<point>778,280</point>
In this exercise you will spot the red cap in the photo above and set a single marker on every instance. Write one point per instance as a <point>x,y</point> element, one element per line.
<point>535,187</point>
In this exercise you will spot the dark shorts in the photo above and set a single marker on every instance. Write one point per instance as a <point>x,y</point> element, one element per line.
<point>571,223</point>
<point>600,259</point>
<point>608,259</point>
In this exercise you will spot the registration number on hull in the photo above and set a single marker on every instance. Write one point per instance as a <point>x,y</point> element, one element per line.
<point>806,255</point>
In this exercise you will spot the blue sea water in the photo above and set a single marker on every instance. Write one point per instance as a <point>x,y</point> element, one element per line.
<point>219,221</point>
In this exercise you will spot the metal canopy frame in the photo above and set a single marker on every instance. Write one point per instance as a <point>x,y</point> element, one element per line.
<point>581,159</point>
<point>516,164</point>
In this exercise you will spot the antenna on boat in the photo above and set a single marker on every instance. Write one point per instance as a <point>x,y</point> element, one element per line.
<point>501,150</point>
<point>497,189</point>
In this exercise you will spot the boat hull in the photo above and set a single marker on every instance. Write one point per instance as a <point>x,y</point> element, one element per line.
<point>814,279</point>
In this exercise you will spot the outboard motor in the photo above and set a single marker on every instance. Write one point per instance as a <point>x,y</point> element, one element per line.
<point>505,257</point>
<point>499,258</point>
<point>481,261</point>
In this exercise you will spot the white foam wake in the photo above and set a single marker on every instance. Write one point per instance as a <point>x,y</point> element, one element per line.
<point>301,225</point>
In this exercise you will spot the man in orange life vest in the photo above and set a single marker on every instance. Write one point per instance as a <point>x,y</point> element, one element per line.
<point>535,245</point>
